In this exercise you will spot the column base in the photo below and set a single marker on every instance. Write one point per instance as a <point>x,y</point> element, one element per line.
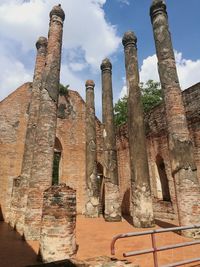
<point>92,208</point>
<point>108,218</point>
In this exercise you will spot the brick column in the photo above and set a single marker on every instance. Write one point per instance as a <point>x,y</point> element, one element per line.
<point>180,145</point>
<point>140,180</point>
<point>20,186</point>
<point>112,198</point>
<point>58,235</point>
<point>41,173</point>
<point>92,202</point>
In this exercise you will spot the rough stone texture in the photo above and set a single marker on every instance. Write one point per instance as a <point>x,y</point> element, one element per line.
<point>13,123</point>
<point>92,203</point>
<point>112,198</point>
<point>181,149</point>
<point>41,173</point>
<point>71,134</point>
<point>20,191</point>
<point>157,145</point>
<point>14,207</point>
<point>140,182</point>
<point>58,229</point>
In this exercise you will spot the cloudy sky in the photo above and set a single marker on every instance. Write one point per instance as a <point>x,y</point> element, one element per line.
<point>93,30</point>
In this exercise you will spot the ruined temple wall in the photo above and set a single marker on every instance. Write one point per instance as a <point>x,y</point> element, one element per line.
<point>70,132</point>
<point>124,169</point>
<point>13,122</point>
<point>191,96</point>
<point>157,145</point>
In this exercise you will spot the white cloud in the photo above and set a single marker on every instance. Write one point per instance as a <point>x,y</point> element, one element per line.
<point>68,77</point>
<point>149,70</point>
<point>13,72</point>
<point>124,89</point>
<point>85,29</point>
<point>77,66</point>
<point>126,2</point>
<point>188,71</point>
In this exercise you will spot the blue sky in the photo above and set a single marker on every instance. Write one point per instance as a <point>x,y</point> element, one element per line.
<point>92,31</point>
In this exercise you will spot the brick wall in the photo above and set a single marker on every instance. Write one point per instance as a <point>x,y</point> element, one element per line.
<point>156,133</point>
<point>71,134</point>
<point>13,121</point>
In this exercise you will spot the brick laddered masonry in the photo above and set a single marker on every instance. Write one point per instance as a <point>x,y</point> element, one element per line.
<point>42,164</point>
<point>71,134</point>
<point>21,183</point>
<point>58,235</point>
<point>64,130</point>
<point>181,152</point>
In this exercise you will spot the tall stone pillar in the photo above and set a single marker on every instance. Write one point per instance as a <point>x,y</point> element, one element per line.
<point>41,173</point>
<point>20,188</point>
<point>183,166</point>
<point>112,211</point>
<point>92,202</point>
<point>140,180</point>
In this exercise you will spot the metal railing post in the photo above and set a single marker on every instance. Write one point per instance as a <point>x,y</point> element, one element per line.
<point>155,256</point>
<point>156,249</point>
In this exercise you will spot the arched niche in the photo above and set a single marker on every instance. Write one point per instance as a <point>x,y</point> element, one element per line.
<point>57,162</point>
<point>101,187</point>
<point>163,178</point>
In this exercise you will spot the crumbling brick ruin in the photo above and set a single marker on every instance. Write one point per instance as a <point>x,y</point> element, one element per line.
<point>101,171</point>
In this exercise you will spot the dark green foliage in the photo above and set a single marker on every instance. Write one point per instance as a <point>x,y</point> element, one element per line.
<point>56,161</point>
<point>63,90</point>
<point>120,111</point>
<point>151,95</point>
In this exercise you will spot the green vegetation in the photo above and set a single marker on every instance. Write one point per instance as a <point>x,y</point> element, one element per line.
<point>151,96</point>
<point>63,90</point>
<point>56,161</point>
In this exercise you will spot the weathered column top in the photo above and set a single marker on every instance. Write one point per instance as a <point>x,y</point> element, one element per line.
<point>41,42</point>
<point>157,7</point>
<point>106,65</point>
<point>129,39</point>
<point>89,84</point>
<point>58,12</point>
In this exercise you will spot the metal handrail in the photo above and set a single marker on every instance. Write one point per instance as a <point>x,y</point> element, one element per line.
<point>155,249</point>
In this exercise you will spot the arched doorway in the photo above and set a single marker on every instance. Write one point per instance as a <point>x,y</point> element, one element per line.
<point>56,161</point>
<point>1,215</point>
<point>163,178</point>
<point>101,187</point>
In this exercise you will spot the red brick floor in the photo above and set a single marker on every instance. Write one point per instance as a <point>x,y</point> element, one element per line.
<point>94,237</point>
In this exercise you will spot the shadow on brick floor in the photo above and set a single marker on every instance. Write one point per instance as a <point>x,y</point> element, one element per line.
<point>13,251</point>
